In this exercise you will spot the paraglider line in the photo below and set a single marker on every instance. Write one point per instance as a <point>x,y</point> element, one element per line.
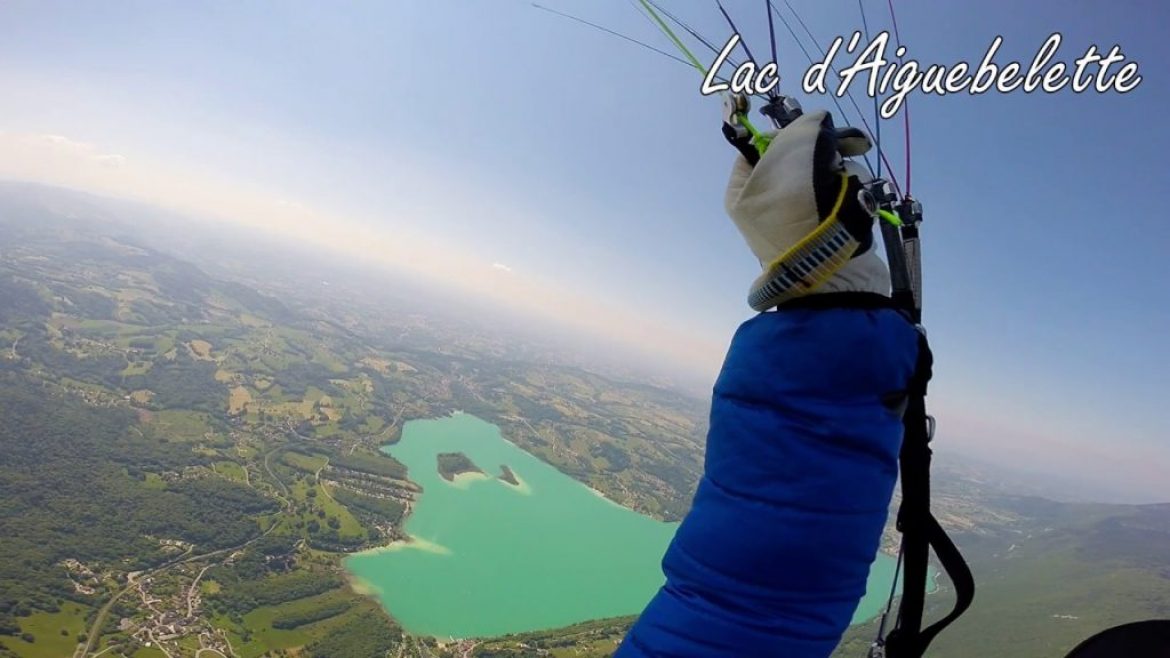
<point>906,109</point>
<point>673,37</point>
<point>833,97</point>
<point>735,30</point>
<point>877,119</point>
<point>609,31</point>
<point>677,21</point>
<point>771,31</point>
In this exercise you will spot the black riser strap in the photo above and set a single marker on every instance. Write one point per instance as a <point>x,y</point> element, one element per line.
<point>913,523</point>
<point>959,573</point>
<point>906,643</point>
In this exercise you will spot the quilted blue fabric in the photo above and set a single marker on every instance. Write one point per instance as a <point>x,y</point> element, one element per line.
<point>801,463</point>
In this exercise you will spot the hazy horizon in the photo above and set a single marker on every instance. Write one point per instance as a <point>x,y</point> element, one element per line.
<point>573,348</point>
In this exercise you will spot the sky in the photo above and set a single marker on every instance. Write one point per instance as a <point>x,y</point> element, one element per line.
<point>530,159</point>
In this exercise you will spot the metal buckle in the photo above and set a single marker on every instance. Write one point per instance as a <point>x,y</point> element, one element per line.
<point>782,110</point>
<point>735,105</point>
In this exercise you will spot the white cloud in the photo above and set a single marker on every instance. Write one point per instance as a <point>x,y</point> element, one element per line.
<point>61,141</point>
<point>67,147</point>
<point>501,267</point>
<point>111,159</point>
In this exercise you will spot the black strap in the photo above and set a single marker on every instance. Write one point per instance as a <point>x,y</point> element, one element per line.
<point>846,299</point>
<point>920,530</point>
<point>743,144</point>
<point>959,573</point>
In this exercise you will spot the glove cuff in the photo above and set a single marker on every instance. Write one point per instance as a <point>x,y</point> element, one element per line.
<point>801,220</point>
<point>819,261</point>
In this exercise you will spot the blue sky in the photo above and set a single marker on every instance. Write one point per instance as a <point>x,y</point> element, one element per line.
<point>489,132</point>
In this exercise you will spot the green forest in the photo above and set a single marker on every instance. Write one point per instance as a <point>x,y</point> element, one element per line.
<point>73,481</point>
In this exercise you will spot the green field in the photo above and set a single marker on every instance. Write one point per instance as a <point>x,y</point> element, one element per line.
<point>259,622</point>
<point>231,470</point>
<point>55,634</point>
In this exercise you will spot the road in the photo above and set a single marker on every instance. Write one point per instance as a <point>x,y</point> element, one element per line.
<point>287,497</point>
<point>204,641</point>
<point>95,629</point>
<point>191,591</point>
<point>158,645</point>
<point>98,621</point>
<point>318,476</point>
<point>93,634</point>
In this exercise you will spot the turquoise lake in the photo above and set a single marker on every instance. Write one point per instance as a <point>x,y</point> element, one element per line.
<point>491,558</point>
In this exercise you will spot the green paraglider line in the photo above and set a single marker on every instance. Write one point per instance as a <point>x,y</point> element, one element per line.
<point>689,30</point>
<point>628,38</point>
<point>890,217</point>
<point>760,140</point>
<point>673,37</point>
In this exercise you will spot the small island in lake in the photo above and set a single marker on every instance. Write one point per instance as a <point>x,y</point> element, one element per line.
<point>455,463</point>
<point>508,476</point>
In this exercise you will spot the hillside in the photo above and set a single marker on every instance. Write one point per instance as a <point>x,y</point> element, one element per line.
<point>188,457</point>
<point>1048,574</point>
<point>188,454</point>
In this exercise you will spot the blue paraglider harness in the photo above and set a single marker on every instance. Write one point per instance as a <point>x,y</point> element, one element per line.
<point>812,261</point>
<point>920,530</point>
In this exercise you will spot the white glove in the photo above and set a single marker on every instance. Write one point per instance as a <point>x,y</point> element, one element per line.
<point>791,190</point>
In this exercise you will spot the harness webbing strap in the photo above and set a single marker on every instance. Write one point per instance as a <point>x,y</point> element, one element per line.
<point>920,530</point>
<point>959,573</point>
<point>900,284</point>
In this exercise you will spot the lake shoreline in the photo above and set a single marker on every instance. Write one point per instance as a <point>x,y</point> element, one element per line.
<point>480,561</point>
<point>486,560</point>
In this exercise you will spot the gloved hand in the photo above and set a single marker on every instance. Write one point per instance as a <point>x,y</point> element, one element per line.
<point>793,188</point>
